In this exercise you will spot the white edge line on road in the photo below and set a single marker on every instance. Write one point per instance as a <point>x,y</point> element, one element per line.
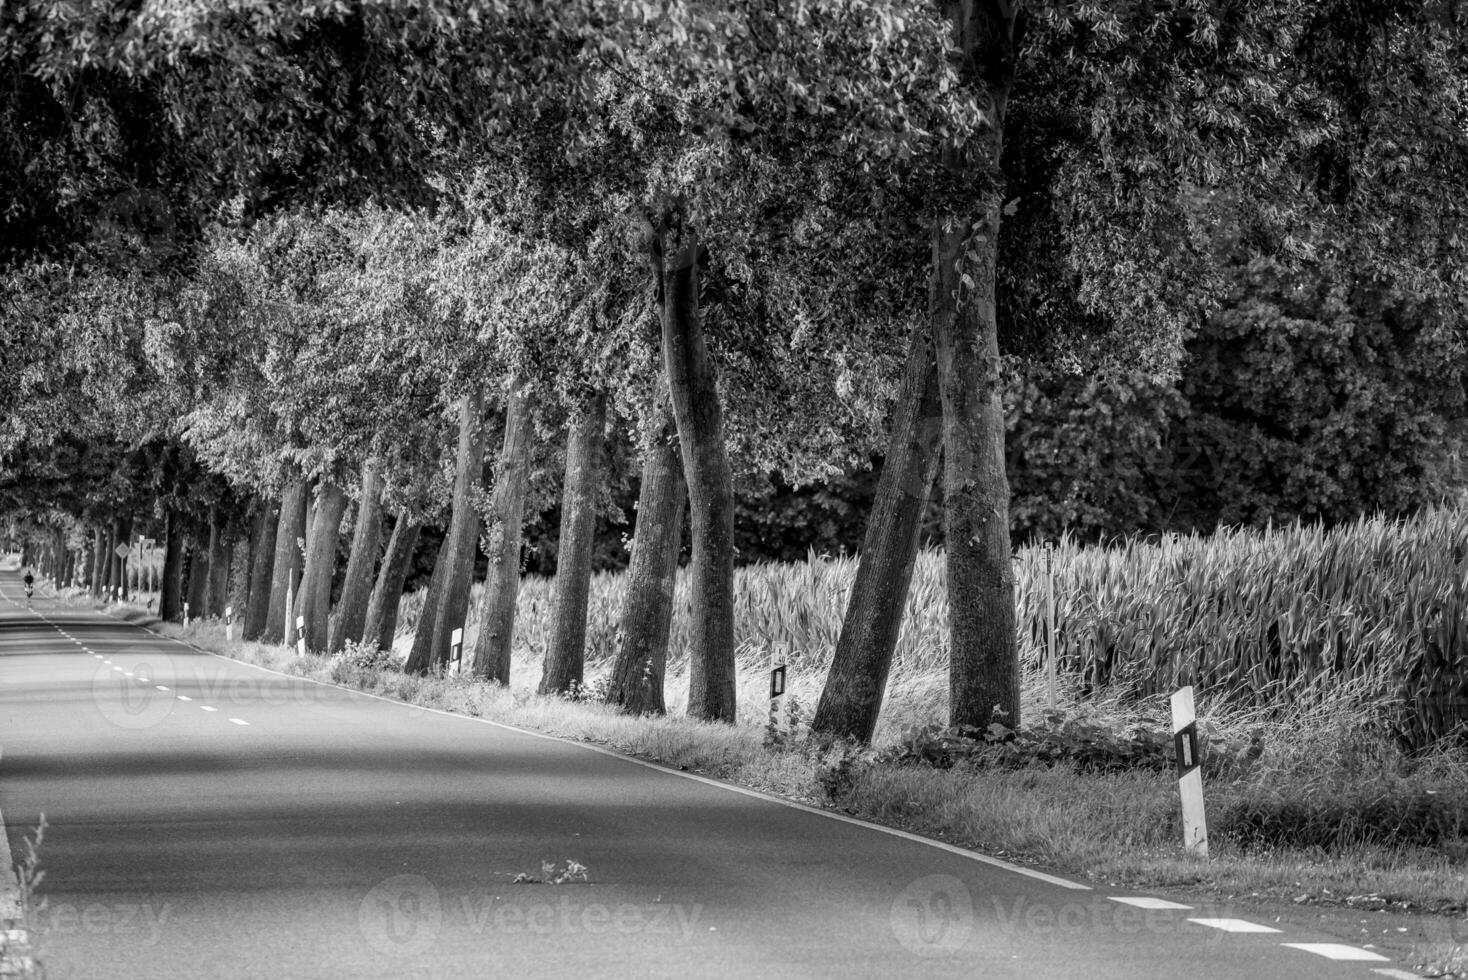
<point>1395,974</point>
<point>730,787</point>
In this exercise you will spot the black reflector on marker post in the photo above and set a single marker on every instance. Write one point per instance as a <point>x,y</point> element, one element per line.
<point>1185,748</point>
<point>777,688</point>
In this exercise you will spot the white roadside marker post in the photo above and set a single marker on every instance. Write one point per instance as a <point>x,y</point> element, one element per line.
<point>1050,669</point>
<point>229,622</point>
<point>301,635</point>
<point>290,603</point>
<point>456,650</point>
<point>777,689</point>
<point>186,615</point>
<point>1189,775</point>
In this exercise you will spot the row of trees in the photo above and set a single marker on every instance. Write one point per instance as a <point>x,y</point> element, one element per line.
<point>758,237</point>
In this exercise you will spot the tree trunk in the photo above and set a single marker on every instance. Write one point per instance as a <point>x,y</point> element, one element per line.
<point>852,697</point>
<point>451,602</point>
<point>109,562</point>
<point>58,558</point>
<point>218,568</point>
<point>983,654</point>
<point>286,567</point>
<point>240,554</point>
<point>695,399</point>
<point>123,531</point>
<point>198,584</point>
<point>565,657</point>
<point>257,606</point>
<point>505,536</point>
<point>170,598</point>
<point>108,559</point>
<point>351,609</point>
<point>421,651</point>
<point>647,610</point>
<point>97,574</point>
<point>313,601</point>
<point>382,609</point>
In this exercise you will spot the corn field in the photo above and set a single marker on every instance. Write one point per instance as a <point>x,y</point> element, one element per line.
<point>1257,618</point>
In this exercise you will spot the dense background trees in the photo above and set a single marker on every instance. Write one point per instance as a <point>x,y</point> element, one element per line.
<point>272,276</point>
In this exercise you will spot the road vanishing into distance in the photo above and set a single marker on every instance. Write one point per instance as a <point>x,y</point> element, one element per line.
<point>206,818</point>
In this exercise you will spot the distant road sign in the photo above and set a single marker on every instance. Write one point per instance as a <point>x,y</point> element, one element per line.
<point>122,550</point>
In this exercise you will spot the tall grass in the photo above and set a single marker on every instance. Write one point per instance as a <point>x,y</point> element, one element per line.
<point>1371,612</point>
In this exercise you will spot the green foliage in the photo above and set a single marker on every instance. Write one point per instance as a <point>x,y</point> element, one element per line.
<point>1083,740</point>
<point>1369,612</point>
<point>361,660</point>
<point>19,937</point>
<point>1395,811</point>
<point>1086,452</point>
<point>1315,399</point>
<point>555,873</point>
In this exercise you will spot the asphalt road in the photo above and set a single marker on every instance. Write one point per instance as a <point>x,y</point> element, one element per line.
<point>211,819</point>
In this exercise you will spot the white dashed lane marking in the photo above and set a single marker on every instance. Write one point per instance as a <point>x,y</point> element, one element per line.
<point>1339,951</point>
<point>1150,903</point>
<point>161,687</point>
<point>239,721</point>
<point>184,697</point>
<point>207,707</point>
<point>1234,925</point>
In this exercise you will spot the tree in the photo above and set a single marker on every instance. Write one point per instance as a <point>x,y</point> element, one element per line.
<point>350,620</point>
<point>1144,234</point>
<point>647,612</point>
<point>448,597</point>
<point>565,657</point>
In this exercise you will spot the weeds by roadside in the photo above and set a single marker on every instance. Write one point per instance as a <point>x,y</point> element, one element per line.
<point>20,956</point>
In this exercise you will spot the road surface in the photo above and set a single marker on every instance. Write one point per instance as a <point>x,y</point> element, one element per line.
<point>211,819</point>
